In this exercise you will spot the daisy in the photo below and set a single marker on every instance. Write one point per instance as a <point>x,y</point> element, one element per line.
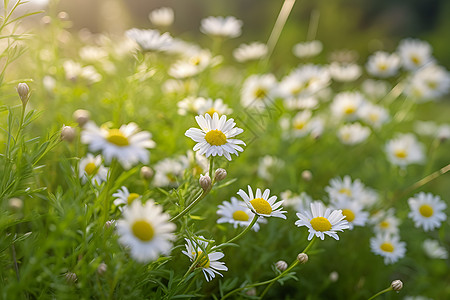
<point>430,82</point>
<point>162,17</point>
<point>307,49</point>
<point>252,51</point>
<point>388,246</point>
<point>434,250</point>
<point>298,202</point>
<point>404,150</point>
<point>374,89</point>
<point>346,105</point>
<point>383,64</point>
<point>320,222</point>
<point>236,213</point>
<point>226,27</point>
<point>352,134</point>
<point>352,210</point>
<point>373,115</point>
<point>150,39</point>
<point>74,71</point>
<point>261,204</point>
<point>210,106</point>
<point>216,136</point>
<point>427,210</point>
<point>344,72</point>
<point>127,143</point>
<point>169,171</point>
<point>258,91</point>
<point>385,222</point>
<point>344,187</point>
<point>414,53</point>
<point>299,126</point>
<point>191,65</point>
<point>208,262</point>
<point>91,167</point>
<point>124,197</point>
<point>146,231</point>
<point>268,167</point>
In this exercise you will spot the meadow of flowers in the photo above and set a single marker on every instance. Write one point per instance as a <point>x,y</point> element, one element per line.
<point>150,166</point>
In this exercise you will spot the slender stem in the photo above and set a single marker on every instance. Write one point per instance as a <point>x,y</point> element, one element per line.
<point>240,235</point>
<point>313,24</point>
<point>190,206</point>
<point>211,167</point>
<point>22,115</point>
<point>380,293</point>
<point>16,266</point>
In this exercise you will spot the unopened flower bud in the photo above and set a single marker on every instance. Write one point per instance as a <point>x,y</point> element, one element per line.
<point>205,182</point>
<point>63,16</point>
<point>397,285</point>
<point>101,269</point>
<point>220,174</point>
<point>334,276</point>
<point>307,175</point>
<point>71,277</point>
<point>251,292</point>
<point>15,203</point>
<point>281,265</point>
<point>146,173</point>
<point>68,133</point>
<point>24,92</point>
<point>81,116</point>
<point>302,258</point>
<point>109,223</point>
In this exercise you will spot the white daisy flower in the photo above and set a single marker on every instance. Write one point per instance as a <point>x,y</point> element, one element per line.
<point>150,39</point>
<point>320,222</point>
<point>146,230</point>
<point>434,250</point>
<point>374,89</point>
<point>344,72</point>
<point>307,49</point>
<point>404,150</point>
<point>175,86</point>
<point>427,210</point>
<point>169,171</point>
<point>91,167</point>
<point>258,91</point>
<point>352,210</point>
<point>261,204</point>
<point>383,64</point>
<point>388,246</point>
<point>162,16</point>
<point>192,65</point>
<point>93,54</point>
<point>226,27</point>
<point>74,71</point>
<point>127,143</point>
<point>190,105</point>
<point>429,82</point>
<point>210,106</point>
<point>248,52</point>
<point>414,53</point>
<point>385,222</point>
<point>208,262</point>
<point>373,115</point>
<point>237,213</point>
<point>352,134</point>
<point>302,124</point>
<point>347,104</point>
<point>344,187</point>
<point>124,197</point>
<point>216,136</point>
<point>301,103</point>
<point>268,167</point>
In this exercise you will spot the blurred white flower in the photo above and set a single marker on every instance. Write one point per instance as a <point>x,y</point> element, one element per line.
<point>210,106</point>
<point>91,167</point>
<point>383,64</point>
<point>74,71</point>
<point>346,105</point>
<point>352,134</point>
<point>299,203</point>
<point>252,51</point>
<point>434,250</point>
<point>374,89</point>
<point>169,171</point>
<point>191,65</point>
<point>302,124</point>
<point>92,54</point>
<point>388,246</point>
<point>226,27</point>
<point>373,115</point>
<point>344,72</point>
<point>427,210</point>
<point>352,210</point>
<point>259,91</point>
<point>269,166</point>
<point>404,150</point>
<point>427,83</point>
<point>176,86</point>
<point>162,17</point>
<point>124,197</point>
<point>307,49</point>
<point>385,222</point>
<point>414,53</point>
<point>150,39</point>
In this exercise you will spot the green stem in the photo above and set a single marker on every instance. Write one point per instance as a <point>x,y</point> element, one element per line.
<point>22,115</point>
<point>211,167</point>
<point>381,292</point>
<point>240,235</point>
<point>190,206</point>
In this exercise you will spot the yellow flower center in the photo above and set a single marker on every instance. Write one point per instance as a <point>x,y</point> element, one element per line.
<point>216,138</point>
<point>211,111</point>
<point>297,90</point>
<point>261,206</point>
<point>204,260</point>
<point>90,169</point>
<point>346,191</point>
<point>432,85</point>
<point>349,214</point>
<point>384,224</point>
<point>320,224</point>
<point>116,137</point>
<point>240,215</point>
<point>415,59</point>
<point>387,247</point>
<point>260,93</point>
<point>195,60</point>
<point>374,117</point>
<point>143,230</point>
<point>299,125</point>
<point>382,67</point>
<point>197,170</point>
<point>400,153</point>
<point>349,110</point>
<point>426,210</point>
<point>132,197</point>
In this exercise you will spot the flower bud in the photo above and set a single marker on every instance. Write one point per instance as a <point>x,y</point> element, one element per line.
<point>220,174</point>
<point>251,292</point>
<point>24,92</point>
<point>81,116</point>
<point>397,285</point>
<point>102,268</point>
<point>68,134</point>
<point>334,276</point>
<point>110,223</point>
<point>302,258</point>
<point>71,277</point>
<point>281,265</point>
<point>307,175</point>
<point>15,203</point>
<point>205,182</point>
<point>146,173</point>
